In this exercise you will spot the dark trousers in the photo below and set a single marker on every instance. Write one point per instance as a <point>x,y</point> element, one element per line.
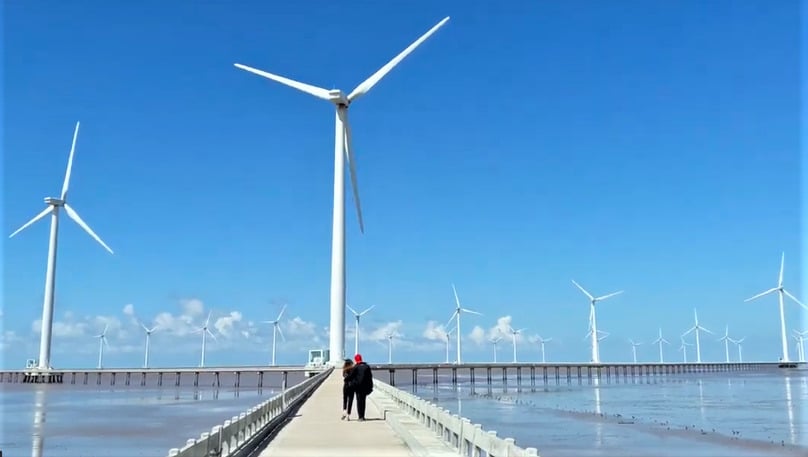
<point>360,404</point>
<point>347,400</point>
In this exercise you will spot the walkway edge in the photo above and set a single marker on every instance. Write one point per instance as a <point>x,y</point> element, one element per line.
<point>393,415</point>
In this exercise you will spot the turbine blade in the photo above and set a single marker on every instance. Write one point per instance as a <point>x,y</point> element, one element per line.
<point>77,219</point>
<point>303,87</point>
<point>66,184</point>
<point>454,314</point>
<point>212,335</point>
<point>457,299</point>
<point>788,294</point>
<point>280,332</point>
<point>343,114</point>
<point>583,290</point>
<point>688,332</point>
<point>782,267</point>
<point>368,84</point>
<point>706,330</point>
<point>773,289</point>
<point>33,220</point>
<point>470,311</point>
<point>144,327</point>
<point>367,310</point>
<point>609,295</point>
<point>548,340</point>
<point>281,313</point>
<point>352,310</point>
<point>207,321</point>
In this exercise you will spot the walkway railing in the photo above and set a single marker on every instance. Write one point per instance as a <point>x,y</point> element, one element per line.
<point>240,435</point>
<point>469,439</point>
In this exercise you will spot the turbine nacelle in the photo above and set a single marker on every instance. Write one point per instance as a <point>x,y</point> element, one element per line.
<point>338,97</point>
<point>52,201</point>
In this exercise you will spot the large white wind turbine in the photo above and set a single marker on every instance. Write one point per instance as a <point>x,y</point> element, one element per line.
<point>726,339</point>
<point>446,335</point>
<point>275,330</point>
<point>593,326</point>
<point>781,293</point>
<point>205,333</point>
<point>356,332</point>
<point>683,348</point>
<point>696,328</point>
<point>456,316</point>
<point>514,333</point>
<point>740,347</point>
<point>634,349</point>
<point>541,342</point>
<point>494,341</point>
<point>660,341</point>
<point>148,332</point>
<point>342,150</point>
<point>102,341</point>
<point>54,204</point>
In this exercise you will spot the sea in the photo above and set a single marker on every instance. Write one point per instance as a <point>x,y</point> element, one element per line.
<point>753,414</point>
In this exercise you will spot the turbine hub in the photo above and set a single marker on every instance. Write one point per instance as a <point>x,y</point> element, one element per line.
<point>52,201</point>
<point>337,97</point>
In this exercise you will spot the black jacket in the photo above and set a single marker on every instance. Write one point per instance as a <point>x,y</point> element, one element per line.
<point>360,379</point>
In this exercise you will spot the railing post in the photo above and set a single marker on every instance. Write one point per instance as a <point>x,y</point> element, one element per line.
<point>283,389</point>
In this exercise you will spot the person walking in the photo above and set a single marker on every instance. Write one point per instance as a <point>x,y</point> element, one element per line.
<point>360,380</point>
<point>347,392</point>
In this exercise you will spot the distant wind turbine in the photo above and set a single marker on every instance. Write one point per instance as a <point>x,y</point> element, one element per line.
<point>390,337</point>
<point>514,333</point>
<point>541,342</point>
<point>660,341</point>
<point>456,316</point>
<point>54,204</point>
<point>696,328</point>
<point>726,339</point>
<point>446,335</point>
<point>593,320</point>
<point>740,348</point>
<point>205,332</point>
<point>781,293</point>
<point>634,349</point>
<point>800,337</point>
<point>494,341</point>
<point>343,150</point>
<point>275,330</point>
<point>148,332</point>
<point>683,348</point>
<point>356,331</point>
<point>102,341</point>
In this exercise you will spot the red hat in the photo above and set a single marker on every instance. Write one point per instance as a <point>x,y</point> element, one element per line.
<point>357,358</point>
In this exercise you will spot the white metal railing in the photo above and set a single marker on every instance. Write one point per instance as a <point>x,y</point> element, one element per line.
<point>469,439</point>
<point>240,432</point>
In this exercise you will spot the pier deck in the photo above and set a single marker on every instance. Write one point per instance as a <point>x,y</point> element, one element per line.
<point>317,430</point>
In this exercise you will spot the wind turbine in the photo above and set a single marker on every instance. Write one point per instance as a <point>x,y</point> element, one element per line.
<point>695,328</point>
<point>494,341</point>
<point>54,204</point>
<point>592,319</point>
<point>356,332</point>
<point>390,346</point>
<point>275,330</point>
<point>456,315</point>
<point>343,150</point>
<point>740,348</point>
<point>541,342</point>
<point>781,293</point>
<point>102,341</point>
<point>446,335</point>
<point>148,332</point>
<point>800,337</point>
<point>683,348</point>
<point>513,337</point>
<point>634,349</point>
<point>205,333</point>
<point>660,341</point>
<point>725,339</point>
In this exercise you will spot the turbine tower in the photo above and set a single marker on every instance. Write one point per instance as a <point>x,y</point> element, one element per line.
<point>513,337</point>
<point>740,348</point>
<point>696,328</point>
<point>343,151</point>
<point>356,332</point>
<point>725,339</point>
<point>54,204</point>
<point>275,330</point>
<point>494,341</point>
<point>456,315</point>
<point>800,337</point>
<point>102,341</point>
<point>446,335</point>
<point>205,333</point>
<point>660,341</point>
<point>390,337</point>
<point>592,319</point>
<point>683,348</point>
<point>634,349</point>
<point>148,332</point>
<point>781,293</point>
<point>541,342</point>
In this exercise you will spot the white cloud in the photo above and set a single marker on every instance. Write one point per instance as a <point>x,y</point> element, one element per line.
<point>8,338</point>
<point>224,325</point>
<point>381,332</point>
<point>503,329</point>
<point>434,331</point>
<point>129,310</point>
<point>297,328</point>
<point>477,335</point>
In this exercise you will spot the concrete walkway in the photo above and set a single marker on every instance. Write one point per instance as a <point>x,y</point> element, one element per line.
<point>317,430</point>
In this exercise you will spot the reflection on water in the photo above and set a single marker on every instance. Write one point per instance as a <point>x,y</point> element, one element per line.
<point>790,409</point>
<point>37,432</point>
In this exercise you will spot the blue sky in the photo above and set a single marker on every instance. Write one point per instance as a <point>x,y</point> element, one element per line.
<point>627,145</point>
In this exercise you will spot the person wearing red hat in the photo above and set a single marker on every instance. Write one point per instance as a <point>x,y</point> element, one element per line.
<point>360,381</point>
